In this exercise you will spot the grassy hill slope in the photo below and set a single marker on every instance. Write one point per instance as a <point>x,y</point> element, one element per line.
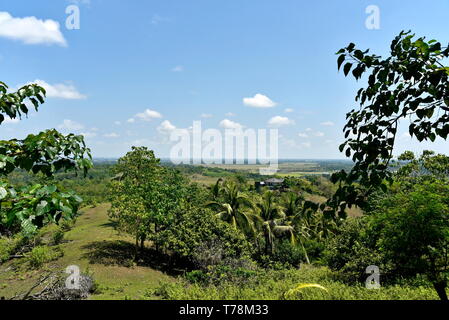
<point>96,248</point>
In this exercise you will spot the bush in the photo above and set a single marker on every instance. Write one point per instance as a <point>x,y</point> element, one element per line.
<point>43,254</point>
<point>203,239</point>
<point>58,236</point>
<point>273,285</point>
<point>6,248</point>
<point>353,249</point>
<point>287,254</point>
<point>67,225</point>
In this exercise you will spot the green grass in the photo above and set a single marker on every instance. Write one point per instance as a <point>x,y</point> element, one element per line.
<point>94,246</point>
<point>275,285</point>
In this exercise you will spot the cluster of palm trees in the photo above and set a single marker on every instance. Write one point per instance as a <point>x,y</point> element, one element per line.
<point>269,215</point>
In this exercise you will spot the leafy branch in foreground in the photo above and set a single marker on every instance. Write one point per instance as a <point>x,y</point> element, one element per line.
<point>31,207</point>
<point>412,83</point>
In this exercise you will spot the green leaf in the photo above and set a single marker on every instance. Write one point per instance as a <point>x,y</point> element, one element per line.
<point>340,60</point>
<point>347,68</point>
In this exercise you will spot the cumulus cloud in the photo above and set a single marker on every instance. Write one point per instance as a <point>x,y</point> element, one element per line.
<point>229,124</point>
<point>327,123</point>
<point>31,30</point>
<point>71,125</point>
<point>166,127</point>
<point>278,121</point>
<point>303,135</point>
<point>206,115</point>
<point>60,90</point>
<point>319,134</point>
<point>230,114</point>
<point>259,101</point>
<point>288,110</point>
<point>9,120</point>
<point>147,115</point>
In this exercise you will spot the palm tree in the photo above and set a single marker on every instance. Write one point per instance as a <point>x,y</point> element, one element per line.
<point>299,218</point>
<point>234,207</point>
<point>271,221</point>
<point>215,189</point>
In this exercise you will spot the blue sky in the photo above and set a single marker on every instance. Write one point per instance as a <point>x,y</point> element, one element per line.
<point>136,69</point>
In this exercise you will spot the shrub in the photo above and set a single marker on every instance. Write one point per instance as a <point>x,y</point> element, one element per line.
<point>274,284</point>
<point>6,248</point>
<point>58,236</point>
<point>43,254</point>
<point>287,254</point>
<point>353,249</point>
<point>203,239</point>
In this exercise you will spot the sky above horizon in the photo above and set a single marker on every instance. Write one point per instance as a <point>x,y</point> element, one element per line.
<point>135,70</point>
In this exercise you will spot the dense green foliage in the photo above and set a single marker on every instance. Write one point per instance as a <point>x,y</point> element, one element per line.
<point>412,83</point>
<point>32,206</point>
<point>275,285</point>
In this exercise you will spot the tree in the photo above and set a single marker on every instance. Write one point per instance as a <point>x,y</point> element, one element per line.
<point>195,229</point>
<point>414,232</point>
<point>272,219</point>
<point>412,83</point>
<point>233,207</point>
<point>144,195</point>
<point>46,153</point>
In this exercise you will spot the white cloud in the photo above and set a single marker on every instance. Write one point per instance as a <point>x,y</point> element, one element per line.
<point>230,114</point>
<point>31,30</point>
<point>177,69</point>
<point>303,135</point>
<point>259,101</point>
<point>206,115</point>
<point>288,110</point>
<point>117,123</point>
<point>148,115</point>
<point>9,120</point>
<point>111,135</point>
<point>309,130</point>
<point>280,121</point>
<point>70,125</point>
<point>59,90</point>
<point>327,123</point>
<point>229,124</point>
<point>319,134</point>
<point>166,127</point>
<point>88,134</point>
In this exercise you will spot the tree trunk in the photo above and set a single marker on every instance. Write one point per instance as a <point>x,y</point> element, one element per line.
<point>136,248</point>
<point>156,231</point>
<point>142,243</point>
<point>305,253</point>
<point>267,244</point>
<point>440,288</point>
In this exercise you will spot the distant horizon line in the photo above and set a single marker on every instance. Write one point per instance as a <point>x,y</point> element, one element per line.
<point>223,160</point>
